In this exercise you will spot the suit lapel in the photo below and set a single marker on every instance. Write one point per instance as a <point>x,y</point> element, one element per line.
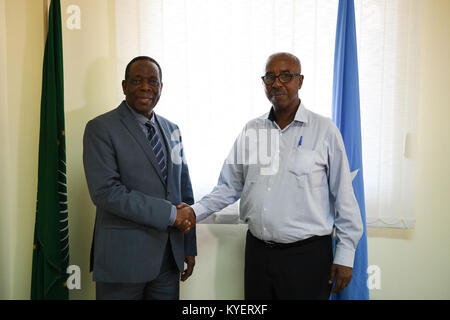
<point>133,127</point>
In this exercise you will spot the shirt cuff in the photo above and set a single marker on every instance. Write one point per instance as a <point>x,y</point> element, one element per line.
<point>199,211</point>
<point>173,216</point>
<point>344,256</point>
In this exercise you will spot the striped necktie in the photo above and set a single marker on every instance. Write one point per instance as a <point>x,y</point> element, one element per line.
<point>157,147</point>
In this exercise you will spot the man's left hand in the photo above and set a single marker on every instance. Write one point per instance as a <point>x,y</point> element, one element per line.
<point>190,261</point>
<point>343,276</point>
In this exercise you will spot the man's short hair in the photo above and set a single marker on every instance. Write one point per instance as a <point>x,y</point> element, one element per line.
<point>127,70</point>
<point>287,54</point>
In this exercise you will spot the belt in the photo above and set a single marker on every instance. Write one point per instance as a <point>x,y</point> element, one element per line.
<point>271,244</point>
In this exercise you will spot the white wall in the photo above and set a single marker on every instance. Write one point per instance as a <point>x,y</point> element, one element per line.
<point>23,41</point>
<point>414,263</point>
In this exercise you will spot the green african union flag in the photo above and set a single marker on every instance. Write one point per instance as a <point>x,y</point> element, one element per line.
<point>51,231</point>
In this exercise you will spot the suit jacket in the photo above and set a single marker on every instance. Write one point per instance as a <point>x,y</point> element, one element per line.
<point>133,202</point>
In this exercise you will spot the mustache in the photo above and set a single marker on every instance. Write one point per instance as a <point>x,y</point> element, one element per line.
<point>277,91</point>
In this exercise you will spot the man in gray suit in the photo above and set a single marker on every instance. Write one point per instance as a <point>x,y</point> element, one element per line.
<point>136,174</point>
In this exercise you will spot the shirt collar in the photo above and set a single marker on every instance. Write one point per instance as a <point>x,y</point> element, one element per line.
<point>141,118</point>
<point>300,115</point>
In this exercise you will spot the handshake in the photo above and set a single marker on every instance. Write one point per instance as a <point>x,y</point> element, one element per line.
<point>185,219</point>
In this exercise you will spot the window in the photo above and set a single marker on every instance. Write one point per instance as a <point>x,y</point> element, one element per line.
<point>213,54</point>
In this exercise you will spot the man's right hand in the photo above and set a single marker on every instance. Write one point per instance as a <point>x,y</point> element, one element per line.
<point>185,219</point>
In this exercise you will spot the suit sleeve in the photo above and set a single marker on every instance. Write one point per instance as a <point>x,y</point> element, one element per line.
<point>187,196</point>
<point>105,186</point>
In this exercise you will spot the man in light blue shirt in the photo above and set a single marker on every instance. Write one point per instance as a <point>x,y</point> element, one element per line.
<point>290,171</point>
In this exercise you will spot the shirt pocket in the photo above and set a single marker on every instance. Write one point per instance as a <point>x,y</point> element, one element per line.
<point>300,164</point>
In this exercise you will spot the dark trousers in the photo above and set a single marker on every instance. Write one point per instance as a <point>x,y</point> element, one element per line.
<point>165,287</point>
<point>288,272</point>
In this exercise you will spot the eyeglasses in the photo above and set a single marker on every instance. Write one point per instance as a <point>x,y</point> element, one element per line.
<point>284,78</point>
<point>151,82</point>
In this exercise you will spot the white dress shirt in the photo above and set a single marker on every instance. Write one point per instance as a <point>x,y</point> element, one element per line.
<point>290,182</point>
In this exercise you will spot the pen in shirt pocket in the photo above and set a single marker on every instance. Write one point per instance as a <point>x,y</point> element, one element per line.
<point>300,141</point>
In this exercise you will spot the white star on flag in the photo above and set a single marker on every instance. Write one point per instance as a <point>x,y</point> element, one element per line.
<point>354,173</point>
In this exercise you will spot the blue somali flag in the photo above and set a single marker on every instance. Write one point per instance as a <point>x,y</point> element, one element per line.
<point>346,115</point>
